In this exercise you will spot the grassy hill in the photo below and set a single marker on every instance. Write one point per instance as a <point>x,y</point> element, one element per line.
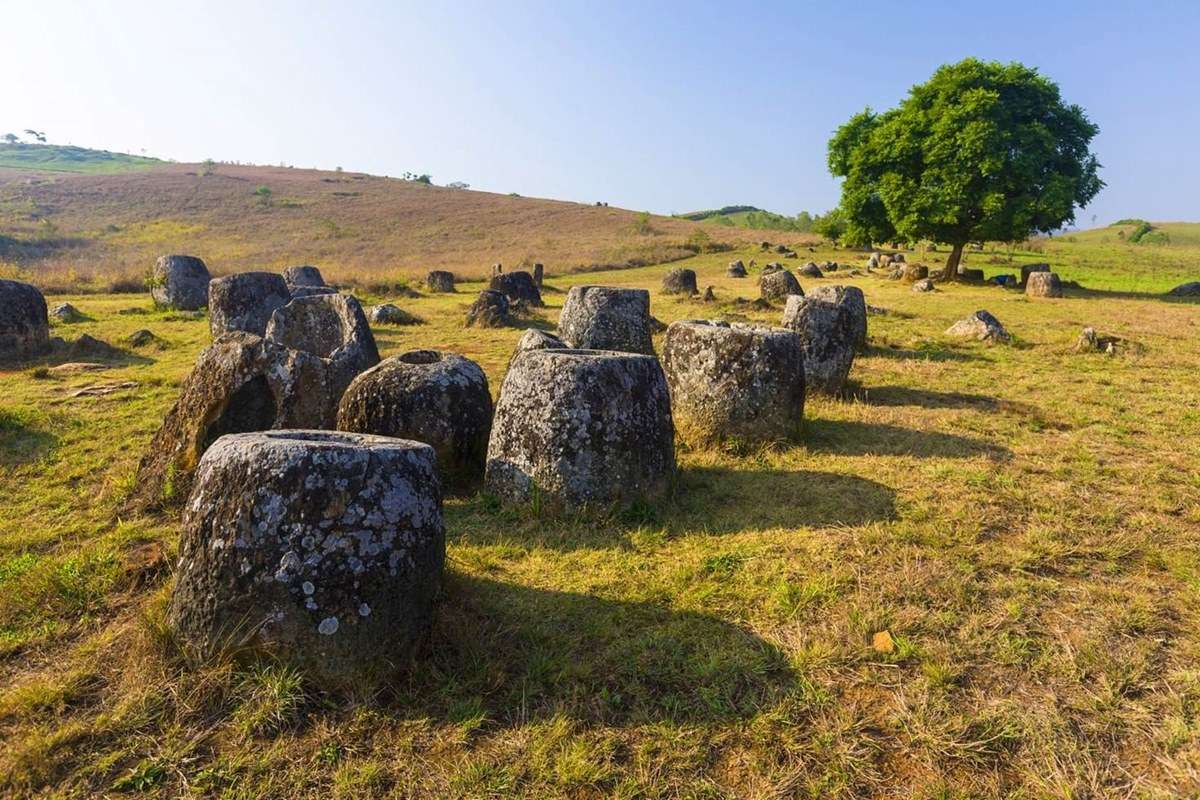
<point>749,217</point>
<point>65,158</point>
<point>97,230</point>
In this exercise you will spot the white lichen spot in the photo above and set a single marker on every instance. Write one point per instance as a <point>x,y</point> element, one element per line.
<point>328,626</point>
<point>307,587</point>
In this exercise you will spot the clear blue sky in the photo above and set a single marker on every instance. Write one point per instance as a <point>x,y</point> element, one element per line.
<point>660,106</point>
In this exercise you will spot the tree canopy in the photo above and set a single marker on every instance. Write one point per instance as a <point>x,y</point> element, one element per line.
<point>981,151</point>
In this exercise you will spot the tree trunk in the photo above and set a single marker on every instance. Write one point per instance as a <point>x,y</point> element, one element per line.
<point>951,271</point>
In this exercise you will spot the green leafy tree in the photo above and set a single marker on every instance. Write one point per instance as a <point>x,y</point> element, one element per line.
<point>11,138</point>
<point>982,151</point>
<point>832,225</point>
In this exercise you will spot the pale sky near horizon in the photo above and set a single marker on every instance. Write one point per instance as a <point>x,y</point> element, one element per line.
<point>668,107</point>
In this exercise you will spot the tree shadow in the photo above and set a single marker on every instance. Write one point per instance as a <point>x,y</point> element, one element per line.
<point>22,440</point>
<point>850,438</point>
<point>929,352</point>
<point>514,653</point>
<point>704,501</point>
<point>1114,294</point>
<point>925,398</point>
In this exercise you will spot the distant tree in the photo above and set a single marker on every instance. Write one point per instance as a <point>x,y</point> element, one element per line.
<point>11,138</point>
<point>804,222</point>
<point>264,195</point>
<point>38,135</point>
<point>981,151</point>
<point>641,223</point>
<point>832,225</point>
<point>208,167</point>
<point>422,178</point>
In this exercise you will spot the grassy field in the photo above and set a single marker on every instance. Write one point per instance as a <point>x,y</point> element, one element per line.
<point>77,233</point>
<point>62,158</point>
<point>1020,520</point>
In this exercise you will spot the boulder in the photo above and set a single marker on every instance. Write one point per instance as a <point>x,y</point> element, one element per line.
<point>679,281</point>
<point>490,310</point>
<point>89,347</point>
<point>828,336</point>
<point>982,326</point>
<point>811,270</point>
<point>533,339</point>
<point>439,280</point>
<point>1190,289</point>
<point>830,266</point>
<point>24,323</point>
<point>910,273</point>
<point>923,285</point>
<point>873,261</point>
<point>497,269</point>
<point>771,266</point>
<point>1027,269</point>
<point>303,276</point>
<point>67,313</point>
<point>781,248</point>
<point>790,254</point>
<point>441,399</point>
<point>740,382</point>
<point>388,314</point>
<point>709,295</point>
<point>180,283</point>
<point>539,272</point>
<point>776,287</point>
<point>898,258</point>
<point>582,427</point>
<point>970,275</point>
<point>518,286</point>
<point>325,550</point>
<point>1043,284</point>
<point>310,291</point>
<point>245,302</point>
<point>143,338</point>
<point>853,301</point>
<point>736,269</point>
<point>605,318</point>
<point>240,383</point>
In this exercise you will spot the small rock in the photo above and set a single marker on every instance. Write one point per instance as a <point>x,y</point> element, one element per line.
<point>811,270</point>
<point>736,269</point>
<point>1028,269</point>
<point>518,286</point>
<point>490,310</point>
<point>1043,284</point>
<point>440,280</point>
<point>981,326</point>
<point>709,295</point>
<point>65,312</point>
<point>388,314</point>
<point>923,285</point>
<point>143,338</point>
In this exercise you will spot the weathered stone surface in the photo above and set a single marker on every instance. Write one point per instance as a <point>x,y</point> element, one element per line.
<point>968,275</point>
<point>539,273</point>
<point>518,286</point>
<point>710,296</point>
<point>241,383</point>
<point>439,280</point>
<point>1043,284</point>
<point>388,314</point>
<point>303,276</point>
<point>67,313</point>
<point>736,269</point>
<point>497,269</point>
<point>581,427</point>
<point>441,399</point>
<point>310,291</point>
<point>679,281</point>
<point>180,283</point>
<point>811,270</point>
<point>982,326</point>
<point>1091,342</point>
<point>910,273</point>
<point>778,286</point>
<point>1028,269</point>
<point>606,318</point>
<point>245,302</point>
<point>873,261</point>
<point>324,549</point>
<point>898,258</point>
<point>533,339</point>
<point>490,310</point>
<point>854,303</point>
<point>771,266</point>
<point>24,323</point>
<point>923,285</point>
<point>143,338</point>
<point>827,336</point>
<point>737,381</point>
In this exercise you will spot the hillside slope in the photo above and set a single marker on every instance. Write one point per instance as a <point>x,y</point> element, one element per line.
<point>354,226</point>
<point>66,158</point>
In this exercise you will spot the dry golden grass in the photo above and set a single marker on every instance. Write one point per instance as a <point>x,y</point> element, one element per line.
<point>87,232</point>
<point>1021,519</point>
